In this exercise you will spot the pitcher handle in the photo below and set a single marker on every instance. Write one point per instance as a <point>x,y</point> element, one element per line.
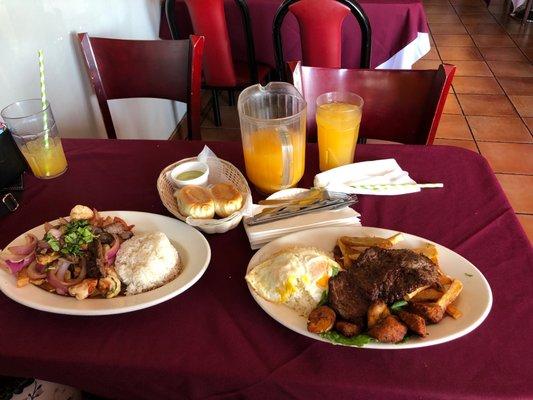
<point>287,154</point>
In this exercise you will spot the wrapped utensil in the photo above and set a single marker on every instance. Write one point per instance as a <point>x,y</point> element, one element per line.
<point>311,201</point>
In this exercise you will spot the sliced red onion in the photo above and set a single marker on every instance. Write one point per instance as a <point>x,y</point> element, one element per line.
<point>81,275</point>
<point>112,252</point>
<point>40,268</point>
<point>25,249</point>
<point>56,278</point>
<point>60,286</point>
<point>16,266</point>
<point>62,266</point>
<point>17,258</point>
<point>33,271</point>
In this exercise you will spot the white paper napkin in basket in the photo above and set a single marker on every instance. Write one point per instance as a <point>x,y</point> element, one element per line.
<point>259,235</point>
<point>378,172</point>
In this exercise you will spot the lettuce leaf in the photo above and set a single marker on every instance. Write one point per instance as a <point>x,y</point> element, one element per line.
<point>336,337</point>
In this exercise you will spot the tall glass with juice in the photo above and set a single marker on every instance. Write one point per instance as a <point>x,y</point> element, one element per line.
<point>272,120</point>
<point>338,117</point>
<point>34,129</point>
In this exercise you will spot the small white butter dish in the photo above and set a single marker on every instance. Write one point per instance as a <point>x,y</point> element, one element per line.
<point>190,173</point>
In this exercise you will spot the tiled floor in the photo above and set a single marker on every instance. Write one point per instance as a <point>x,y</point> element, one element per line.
<point>490,110</point>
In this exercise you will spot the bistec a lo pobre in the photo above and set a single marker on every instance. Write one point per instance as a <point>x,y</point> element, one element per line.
<point>371,291</point>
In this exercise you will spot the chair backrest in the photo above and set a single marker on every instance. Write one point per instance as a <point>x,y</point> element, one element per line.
<point>165,69</point>
<point>399,105</point>
<point>209,20</point>
<point>320,24</point>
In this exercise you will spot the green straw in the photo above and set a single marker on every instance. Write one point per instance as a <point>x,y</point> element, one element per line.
<point>382,186</point>
<point>43,96</point>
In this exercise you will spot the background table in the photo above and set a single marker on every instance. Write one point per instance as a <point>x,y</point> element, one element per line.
<point>399,32</point>
<point>215,341</point>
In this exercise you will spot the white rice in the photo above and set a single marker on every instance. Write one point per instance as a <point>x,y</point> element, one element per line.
<point>147,261</point>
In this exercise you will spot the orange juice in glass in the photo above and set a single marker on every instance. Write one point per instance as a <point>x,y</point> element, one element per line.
<point>338,117</point>
<point>33,127</point>
<point>272,120</point>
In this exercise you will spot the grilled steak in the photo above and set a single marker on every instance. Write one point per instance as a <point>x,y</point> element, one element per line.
<point>346,298</point>
<point>389,275</point>
<point>379,274</point>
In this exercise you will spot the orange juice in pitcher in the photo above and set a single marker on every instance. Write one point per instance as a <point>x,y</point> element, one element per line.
<point>272,120</point>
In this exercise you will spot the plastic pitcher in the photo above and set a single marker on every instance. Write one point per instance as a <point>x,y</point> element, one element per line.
<point>272,120</point>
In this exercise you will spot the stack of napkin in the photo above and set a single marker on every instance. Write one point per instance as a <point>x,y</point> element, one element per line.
<point>380,177</point>
<point>259,235</point>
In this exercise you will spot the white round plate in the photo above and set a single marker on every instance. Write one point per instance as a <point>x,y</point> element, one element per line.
<point>193,249</point>
<point>475,300</point>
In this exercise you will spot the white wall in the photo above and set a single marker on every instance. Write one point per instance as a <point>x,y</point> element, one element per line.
<point>51,25</point>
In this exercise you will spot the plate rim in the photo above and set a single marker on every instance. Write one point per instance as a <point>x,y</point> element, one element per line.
<point>256,258</point>
<point>55,309</point>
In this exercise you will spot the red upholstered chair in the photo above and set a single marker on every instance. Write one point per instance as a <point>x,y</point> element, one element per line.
<point>221,71</point>
<point>400,105</point>
<point>165,69</point>
<point>320,24</point>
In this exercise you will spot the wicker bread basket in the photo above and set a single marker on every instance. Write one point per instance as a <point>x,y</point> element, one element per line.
<point>220,171</point>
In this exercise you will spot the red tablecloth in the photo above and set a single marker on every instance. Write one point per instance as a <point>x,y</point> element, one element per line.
<point>214,340</point>
<point>395,24</point>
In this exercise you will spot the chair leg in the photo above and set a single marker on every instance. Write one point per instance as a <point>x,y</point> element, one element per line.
<point>216,108</point>
<point>231,97</point>
<point>527,10</point>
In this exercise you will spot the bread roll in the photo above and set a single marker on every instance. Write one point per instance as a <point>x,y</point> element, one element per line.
<point>195,201</point>
<point>227,199</point>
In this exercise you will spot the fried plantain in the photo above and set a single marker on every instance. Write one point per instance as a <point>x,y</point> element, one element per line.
<point>321,320</point>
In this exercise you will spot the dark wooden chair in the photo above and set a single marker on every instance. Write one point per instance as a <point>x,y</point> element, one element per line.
<point>400,105</point>
<point>165,69</point>
<point>221,71</point>
<point>320,24</point>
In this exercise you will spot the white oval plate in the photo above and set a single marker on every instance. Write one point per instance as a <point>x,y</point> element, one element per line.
<point>475,300</point>
<point>193,249</point>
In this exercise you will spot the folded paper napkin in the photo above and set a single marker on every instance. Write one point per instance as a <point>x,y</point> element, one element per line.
<point>379,177</point>
<point>259,235</point>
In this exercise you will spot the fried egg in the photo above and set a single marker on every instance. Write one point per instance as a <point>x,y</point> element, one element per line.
<point>296,277</point>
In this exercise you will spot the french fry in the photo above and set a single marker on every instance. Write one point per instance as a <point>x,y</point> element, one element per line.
<point>347,262</point>
<point>429,294</point>
<point>366,241</point>
<point>352,247</point>
<point>22,277</point>
<point>445,280</point>
<point>354,254</point>
<point>377,310</point>
<point>395,239</point>
<point>451,294</point>
<point>453,311</point>
<point>414,293</point>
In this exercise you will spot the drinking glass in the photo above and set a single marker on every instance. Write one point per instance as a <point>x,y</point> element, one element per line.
<point>338,117</point>
<point>35,131</point>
